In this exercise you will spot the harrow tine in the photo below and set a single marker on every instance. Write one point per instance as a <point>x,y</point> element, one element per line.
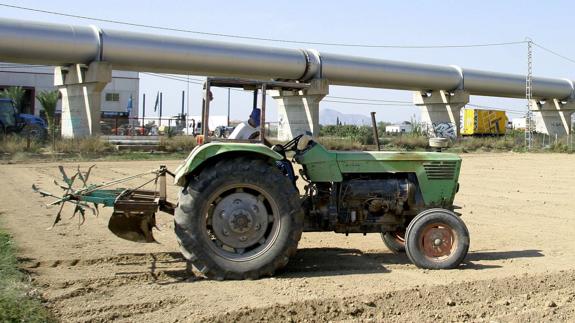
<point>60,185</point>
<point>43,193</point>
<point>87,174</point>
<point>81,177</point>
<point>87,206</point>
<point>97,209</point>
<point>65,176</point>
<point>82,217</point>
<point>58,217</point>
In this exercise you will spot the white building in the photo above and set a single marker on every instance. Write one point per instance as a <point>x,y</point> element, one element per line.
<point>404,127</point>
<point>34,79</point>
<point>518,123</point>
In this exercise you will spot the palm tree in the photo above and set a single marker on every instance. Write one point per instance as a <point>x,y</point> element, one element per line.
<point>49,100</point>
<point>16,94</point>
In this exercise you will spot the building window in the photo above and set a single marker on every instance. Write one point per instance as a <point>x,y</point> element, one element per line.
<point>113,97</point>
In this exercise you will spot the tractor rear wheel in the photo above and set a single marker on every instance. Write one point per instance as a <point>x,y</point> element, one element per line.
<point>239,219</point>
<point>394,240</point>
<point>437,239</point>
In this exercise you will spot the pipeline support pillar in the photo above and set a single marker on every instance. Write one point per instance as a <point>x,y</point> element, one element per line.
<point>553,117</point>
<point>440,111</point>
<point>81,89</point>
<point>298,111</point>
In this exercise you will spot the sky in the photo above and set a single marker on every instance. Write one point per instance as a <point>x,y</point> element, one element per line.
<point>409,23</point>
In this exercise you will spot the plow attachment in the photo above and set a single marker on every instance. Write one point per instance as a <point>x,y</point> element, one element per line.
<point>134,214</point>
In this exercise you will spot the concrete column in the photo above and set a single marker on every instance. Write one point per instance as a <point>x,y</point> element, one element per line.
<point>81,89</point>
<point>440,111</point>
<point>298,111</point>
<point>553,117</point>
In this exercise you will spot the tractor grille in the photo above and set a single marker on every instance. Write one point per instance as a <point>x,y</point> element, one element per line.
<point>440,170</point>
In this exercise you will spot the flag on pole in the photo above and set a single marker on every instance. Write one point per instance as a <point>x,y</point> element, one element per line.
<point>157,102</point>
<point>130,105</point>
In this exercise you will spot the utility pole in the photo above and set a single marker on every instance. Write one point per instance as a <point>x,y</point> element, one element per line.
<point>160,119</point>
<point>529,96</point>
<point>143,112</point>
<point>228,107</point>
<point>188,105</point>
<point>375,134</point>
<point>183,102</point>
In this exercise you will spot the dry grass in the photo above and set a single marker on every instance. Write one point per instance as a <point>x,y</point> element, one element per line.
<point>13,145</point>
<point>177,143</point>
<point>89,146</point>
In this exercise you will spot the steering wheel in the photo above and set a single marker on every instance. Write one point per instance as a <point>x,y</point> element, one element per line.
<point>292,144</point>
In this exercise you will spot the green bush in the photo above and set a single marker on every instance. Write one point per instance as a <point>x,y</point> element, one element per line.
<point>340,143</point>
<point>409,142</point>
<point>361,134</point>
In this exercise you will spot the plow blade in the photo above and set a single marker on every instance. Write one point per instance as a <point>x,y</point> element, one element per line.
<point>133,226</point>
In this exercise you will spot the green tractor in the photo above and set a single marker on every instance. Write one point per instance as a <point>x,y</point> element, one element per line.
<point>242,209</point>
<point>241,214</point>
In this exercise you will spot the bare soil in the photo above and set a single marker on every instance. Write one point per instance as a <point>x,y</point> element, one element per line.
<point>519,208</point>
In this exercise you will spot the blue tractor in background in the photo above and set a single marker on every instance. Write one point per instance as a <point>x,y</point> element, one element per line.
<point>25,125</point>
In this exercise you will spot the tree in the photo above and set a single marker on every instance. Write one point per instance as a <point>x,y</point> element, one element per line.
<point>16,94</point>
<point>49,100</point>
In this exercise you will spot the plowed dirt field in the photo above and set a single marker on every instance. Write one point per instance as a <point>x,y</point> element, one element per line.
<point>519,208</point>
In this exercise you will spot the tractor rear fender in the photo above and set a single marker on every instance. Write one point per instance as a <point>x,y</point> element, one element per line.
<point>209,154</point>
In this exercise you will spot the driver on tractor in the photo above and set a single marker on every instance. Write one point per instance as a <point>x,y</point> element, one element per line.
<point>248,129</point>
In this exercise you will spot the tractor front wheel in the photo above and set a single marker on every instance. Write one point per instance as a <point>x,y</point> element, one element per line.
<point>437,239</point>
<point>239,219</point>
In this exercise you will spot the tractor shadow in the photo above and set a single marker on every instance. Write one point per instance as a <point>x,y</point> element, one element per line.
<point>313,262</point>
<point>318,262</point>
<point>475,260</point>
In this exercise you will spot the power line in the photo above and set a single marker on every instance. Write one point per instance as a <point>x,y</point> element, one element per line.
<point>173,78</point>
<point>554,52</point>
<point>494,108</point>
<point>263,38</point>
<point>373,100</point>
<point>372,104</point>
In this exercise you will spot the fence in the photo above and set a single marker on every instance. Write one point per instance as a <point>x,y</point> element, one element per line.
<point>173,126</point>
<point>150,126</point>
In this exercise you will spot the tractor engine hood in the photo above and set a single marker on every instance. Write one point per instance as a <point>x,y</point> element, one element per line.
<point>32,119</point>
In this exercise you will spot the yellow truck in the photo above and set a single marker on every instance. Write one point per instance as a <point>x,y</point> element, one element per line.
<point>480,122</point>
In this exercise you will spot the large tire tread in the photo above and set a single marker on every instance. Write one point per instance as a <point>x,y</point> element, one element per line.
<point>191,245</point>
